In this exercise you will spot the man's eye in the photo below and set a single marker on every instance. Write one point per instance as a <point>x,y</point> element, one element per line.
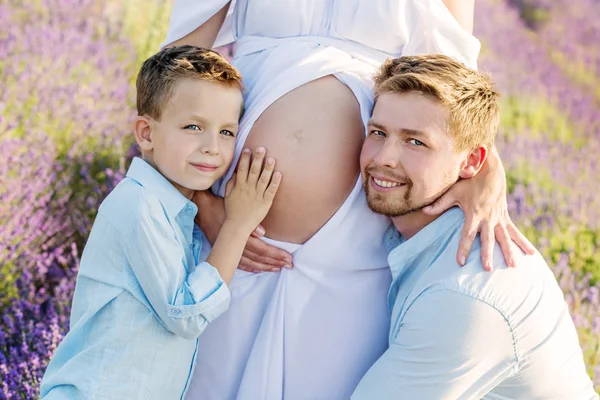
<point>378,133</point>
<point>192,127</point>
<point>416,142</point>
<point>227,133</point>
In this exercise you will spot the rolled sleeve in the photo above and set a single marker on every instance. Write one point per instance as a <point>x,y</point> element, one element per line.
<point>209,295</point>
<point>185,303</point>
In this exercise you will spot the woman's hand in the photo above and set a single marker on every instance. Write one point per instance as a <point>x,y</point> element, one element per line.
<point>483,200</point>
<point>258,256</point>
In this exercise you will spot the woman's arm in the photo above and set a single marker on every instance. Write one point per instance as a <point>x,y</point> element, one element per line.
<point>483,199</point>
<point>206,34</point>
<point>463,11</point>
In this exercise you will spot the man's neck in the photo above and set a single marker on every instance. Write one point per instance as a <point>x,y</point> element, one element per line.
<point>410,224</point>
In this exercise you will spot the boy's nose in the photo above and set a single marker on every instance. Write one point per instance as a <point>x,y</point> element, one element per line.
<point>210,145</point>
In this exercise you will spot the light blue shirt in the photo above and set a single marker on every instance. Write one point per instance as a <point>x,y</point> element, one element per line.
<point>142,298</point>
<point>463,333</point>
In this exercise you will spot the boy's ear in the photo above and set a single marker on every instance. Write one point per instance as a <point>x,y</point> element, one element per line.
<point>142,130</point>
<point>473,162</point>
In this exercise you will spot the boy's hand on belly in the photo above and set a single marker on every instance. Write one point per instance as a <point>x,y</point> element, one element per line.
<point>258,256</point>
<point>248,198</point>
<point>250,193</point>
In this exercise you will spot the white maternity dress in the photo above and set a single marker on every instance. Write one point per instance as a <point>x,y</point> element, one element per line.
<point>311,332</point>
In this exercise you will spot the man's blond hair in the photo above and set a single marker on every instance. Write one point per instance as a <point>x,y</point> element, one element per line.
<point>469,96</point>
<point>160,73</point>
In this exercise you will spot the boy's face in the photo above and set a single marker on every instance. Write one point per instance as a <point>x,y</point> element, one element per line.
<point>194,142</point>
<point>407,160</point>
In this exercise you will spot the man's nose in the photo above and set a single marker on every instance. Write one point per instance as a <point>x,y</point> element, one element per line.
<point>209,143</point>
<point>388,154</point>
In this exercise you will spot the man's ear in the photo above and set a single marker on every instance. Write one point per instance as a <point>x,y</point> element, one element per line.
<point>142,130</point>
<point>473,162</point>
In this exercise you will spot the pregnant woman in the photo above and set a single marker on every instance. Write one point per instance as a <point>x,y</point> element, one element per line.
<point>312,331</point>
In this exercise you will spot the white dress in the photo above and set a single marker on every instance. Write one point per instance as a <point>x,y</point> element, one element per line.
<point>311,332</point>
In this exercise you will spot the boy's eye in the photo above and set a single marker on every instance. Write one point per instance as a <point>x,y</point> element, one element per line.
<point>227,133</point>
<point>378,133</point>
<point>192,127</point>
<point>416,142</point>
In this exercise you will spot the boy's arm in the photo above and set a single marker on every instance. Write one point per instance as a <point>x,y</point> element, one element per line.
<point>184,303</point>
<point>449,346</point>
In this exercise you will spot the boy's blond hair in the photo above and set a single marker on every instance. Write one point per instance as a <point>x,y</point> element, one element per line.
<point>161,72</point>
<point>469,96</point>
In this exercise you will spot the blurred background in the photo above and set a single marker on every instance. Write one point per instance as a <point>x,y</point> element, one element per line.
<point>67,71</point>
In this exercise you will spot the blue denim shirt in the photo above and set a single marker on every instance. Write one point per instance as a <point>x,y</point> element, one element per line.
<point>463,333</point>
<point>141,300</point>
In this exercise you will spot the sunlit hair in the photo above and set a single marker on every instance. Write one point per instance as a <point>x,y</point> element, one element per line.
<point>160,74</point>
<point>468,95</point>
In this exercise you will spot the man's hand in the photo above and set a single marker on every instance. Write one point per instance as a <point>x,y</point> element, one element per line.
<point>258,256</point>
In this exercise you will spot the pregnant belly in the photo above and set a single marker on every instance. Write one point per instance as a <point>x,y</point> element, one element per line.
<point>315,132</point>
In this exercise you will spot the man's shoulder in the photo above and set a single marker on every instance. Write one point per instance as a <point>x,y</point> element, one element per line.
<point>501,288</point>
<point>128,203</point>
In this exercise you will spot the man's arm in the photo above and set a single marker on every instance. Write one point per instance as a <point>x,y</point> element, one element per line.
<point>448,346</point>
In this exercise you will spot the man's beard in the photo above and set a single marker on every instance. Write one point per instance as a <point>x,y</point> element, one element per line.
<point>393,207</point>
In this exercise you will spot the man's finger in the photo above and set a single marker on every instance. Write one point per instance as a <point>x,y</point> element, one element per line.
<point>487,239</point>
<point>467,238</point>
<point>503,238</point>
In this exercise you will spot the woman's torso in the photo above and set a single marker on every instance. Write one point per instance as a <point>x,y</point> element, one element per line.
<point>314,131</point>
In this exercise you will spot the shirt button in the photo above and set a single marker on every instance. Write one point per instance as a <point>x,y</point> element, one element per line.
<point>189,209</point>
<point>175,312</point>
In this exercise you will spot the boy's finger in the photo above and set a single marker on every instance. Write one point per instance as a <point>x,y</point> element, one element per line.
<point>265,176</point>
<point>230,184</point>
<point>273,186</point>
<point>243,166</point>
<point>257,164</point>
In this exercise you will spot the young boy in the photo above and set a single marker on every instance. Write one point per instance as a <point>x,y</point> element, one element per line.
<point>143,296</point>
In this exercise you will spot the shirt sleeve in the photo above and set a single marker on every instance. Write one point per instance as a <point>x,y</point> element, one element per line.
<point>187,15</point>
<point>448,346</point>
<point>183,302</point>
<point>431,28</point>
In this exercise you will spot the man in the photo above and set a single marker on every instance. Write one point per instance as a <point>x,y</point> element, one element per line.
<point>455,333</point>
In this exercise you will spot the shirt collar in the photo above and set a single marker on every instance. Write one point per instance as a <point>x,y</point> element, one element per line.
<point>171,198</point>
<point>404,250</point>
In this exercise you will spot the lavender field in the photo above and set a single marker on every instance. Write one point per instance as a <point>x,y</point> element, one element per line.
<point>67,69</point>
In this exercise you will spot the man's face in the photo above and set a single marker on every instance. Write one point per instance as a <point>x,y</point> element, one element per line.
<point>407,160</point>
<point>193,143</point>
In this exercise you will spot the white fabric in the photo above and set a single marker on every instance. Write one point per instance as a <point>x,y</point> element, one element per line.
<point>312,332</point>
